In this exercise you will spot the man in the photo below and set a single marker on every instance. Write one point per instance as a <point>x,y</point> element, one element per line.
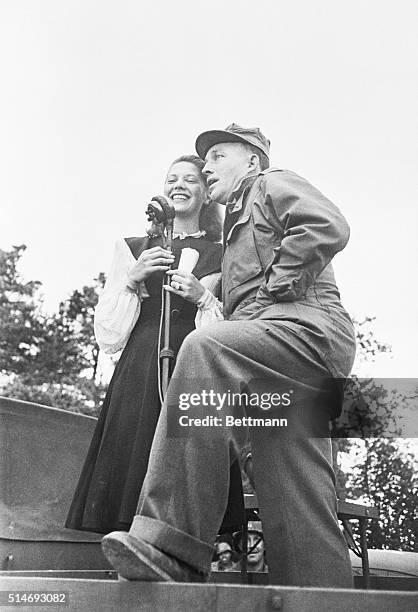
<point>284,338</point>
<point>255,547</point>
<point>224,561</point>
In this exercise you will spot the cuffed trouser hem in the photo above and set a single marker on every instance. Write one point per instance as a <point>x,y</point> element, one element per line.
<point>174,542</point>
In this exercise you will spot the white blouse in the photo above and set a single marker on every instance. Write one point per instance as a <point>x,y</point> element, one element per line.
<point>119,307</point>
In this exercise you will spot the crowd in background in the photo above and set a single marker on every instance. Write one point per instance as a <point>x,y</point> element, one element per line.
<point>228,550</point>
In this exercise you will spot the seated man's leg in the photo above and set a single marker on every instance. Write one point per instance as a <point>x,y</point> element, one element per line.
<point>185,492</point>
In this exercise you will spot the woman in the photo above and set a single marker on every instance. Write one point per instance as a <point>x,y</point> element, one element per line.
<point>128,316</point>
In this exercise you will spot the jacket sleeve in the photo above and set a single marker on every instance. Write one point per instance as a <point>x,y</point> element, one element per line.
<point>310,230</point>
<point>118,307</point>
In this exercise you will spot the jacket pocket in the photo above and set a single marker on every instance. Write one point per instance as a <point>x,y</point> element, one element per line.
<point>241,262</point>
<point>242,271</point>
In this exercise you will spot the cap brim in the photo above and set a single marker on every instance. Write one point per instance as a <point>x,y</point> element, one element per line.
<point>206,140</point>
<point>238,534</point>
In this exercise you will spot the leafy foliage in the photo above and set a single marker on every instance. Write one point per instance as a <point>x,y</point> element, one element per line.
<point>372,410</point>
<point>368,346</point>
<point>387,479</point>
<point>384,475</point>
<point>78,312</point>
<point>49,359</point>
<point>21,330</point>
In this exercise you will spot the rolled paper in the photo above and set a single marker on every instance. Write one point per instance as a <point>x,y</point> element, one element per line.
<point>188,259</point>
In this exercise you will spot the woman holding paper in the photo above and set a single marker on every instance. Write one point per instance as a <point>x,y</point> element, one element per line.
<point>128,317</point>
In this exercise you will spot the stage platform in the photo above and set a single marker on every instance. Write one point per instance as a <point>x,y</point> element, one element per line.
<point>121,596</point>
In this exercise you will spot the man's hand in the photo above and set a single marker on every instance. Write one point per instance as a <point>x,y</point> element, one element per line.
<point>186,285</point>
<point>150,261</point>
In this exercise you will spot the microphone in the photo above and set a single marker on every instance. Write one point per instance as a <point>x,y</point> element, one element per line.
<point>161,213</point>
<point>160,210</point>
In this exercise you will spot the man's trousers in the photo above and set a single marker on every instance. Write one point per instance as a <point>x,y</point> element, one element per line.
<point>185,492</point>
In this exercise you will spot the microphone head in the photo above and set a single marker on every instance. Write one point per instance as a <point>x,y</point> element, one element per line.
<point>167,207</point>
<point>160,210</point>
<point>155,213</point>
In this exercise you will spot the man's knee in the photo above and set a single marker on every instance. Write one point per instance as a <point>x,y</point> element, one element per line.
<point>202,337</point>
<point>194,344</point>
<point>203,345</point>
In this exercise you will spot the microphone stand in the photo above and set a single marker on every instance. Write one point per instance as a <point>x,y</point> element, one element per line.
<point>163,213</point>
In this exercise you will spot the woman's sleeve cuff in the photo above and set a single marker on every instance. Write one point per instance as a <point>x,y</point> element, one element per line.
<point>206,300</point>
<point>138,288</point>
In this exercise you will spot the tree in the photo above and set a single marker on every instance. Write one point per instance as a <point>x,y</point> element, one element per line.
<point>387,478</point>
<point>21,331</point>
<point>78,314</point>
<point>47,358</point>
<point>385,475</point>
<point>359,394</point>
<point>368,346</point>
<point>78,311</point>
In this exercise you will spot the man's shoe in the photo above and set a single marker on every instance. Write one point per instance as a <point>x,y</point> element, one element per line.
<point>135,559</point>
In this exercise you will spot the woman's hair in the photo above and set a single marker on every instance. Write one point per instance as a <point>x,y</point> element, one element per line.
<point>191,159</point>
<point>210,218</point>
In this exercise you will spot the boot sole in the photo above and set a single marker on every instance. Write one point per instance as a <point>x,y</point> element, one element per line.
<point>130,559</point>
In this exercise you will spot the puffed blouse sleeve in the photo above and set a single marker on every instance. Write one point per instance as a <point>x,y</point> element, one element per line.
<point>119,306</point>
<point>209,308</point>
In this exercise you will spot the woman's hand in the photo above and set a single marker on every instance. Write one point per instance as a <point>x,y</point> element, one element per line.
<point>152,260</point>
<point>185,285</point>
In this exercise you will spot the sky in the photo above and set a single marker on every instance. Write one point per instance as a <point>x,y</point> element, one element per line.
<point>99,97</point>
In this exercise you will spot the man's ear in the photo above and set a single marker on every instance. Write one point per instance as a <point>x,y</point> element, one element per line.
<point>254,162</point>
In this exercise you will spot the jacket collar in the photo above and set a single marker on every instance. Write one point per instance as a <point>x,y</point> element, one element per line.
<point>240,192</point>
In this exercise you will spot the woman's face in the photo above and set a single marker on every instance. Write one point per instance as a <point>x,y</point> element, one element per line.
<point>186,189</point>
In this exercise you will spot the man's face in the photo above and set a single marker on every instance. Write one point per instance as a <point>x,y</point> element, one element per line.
<point>225,556</point>
<point>257,554</point>
<point>226,164</point>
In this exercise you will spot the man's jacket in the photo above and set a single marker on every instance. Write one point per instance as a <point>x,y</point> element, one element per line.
<point>277,262</point>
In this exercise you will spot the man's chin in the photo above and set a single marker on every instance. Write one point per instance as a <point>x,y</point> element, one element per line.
<point>216,195</point>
